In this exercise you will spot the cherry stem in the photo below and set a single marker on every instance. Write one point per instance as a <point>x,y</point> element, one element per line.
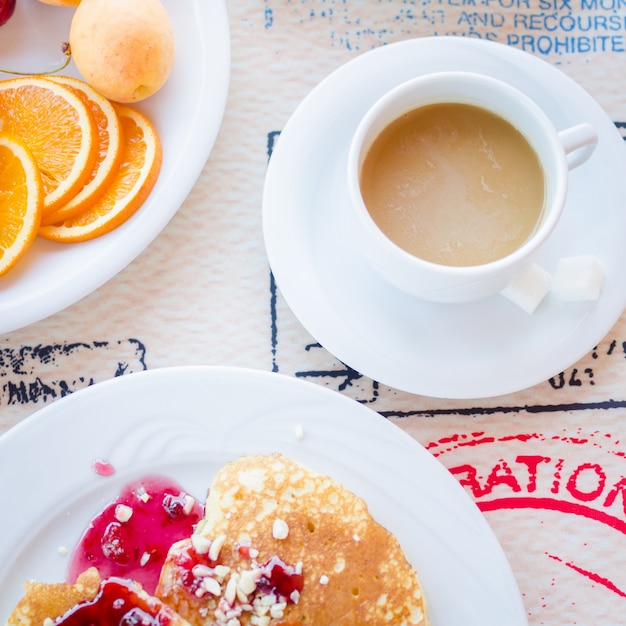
<point>65,49</point>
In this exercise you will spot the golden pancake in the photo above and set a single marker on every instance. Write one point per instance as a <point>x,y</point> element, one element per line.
<point>283,545</point>
<point>45,603</point>
<point>42,601</point>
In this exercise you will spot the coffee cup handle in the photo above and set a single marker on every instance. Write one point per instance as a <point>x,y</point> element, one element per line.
<point>579,142</point>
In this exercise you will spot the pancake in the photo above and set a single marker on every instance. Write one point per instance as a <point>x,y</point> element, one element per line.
<point>50,600</point>
<point>282,545</point>
<point>44,604</point>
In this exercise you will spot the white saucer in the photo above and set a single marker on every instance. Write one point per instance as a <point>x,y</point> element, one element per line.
<point>467,351</point>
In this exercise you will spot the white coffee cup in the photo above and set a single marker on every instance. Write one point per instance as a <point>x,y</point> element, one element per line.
<point>558,153</point>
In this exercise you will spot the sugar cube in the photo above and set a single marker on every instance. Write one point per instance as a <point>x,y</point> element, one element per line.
<point>528,287</point>
<point>578,278</point>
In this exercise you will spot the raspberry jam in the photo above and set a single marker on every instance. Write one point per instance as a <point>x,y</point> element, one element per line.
<point>130,538</point>
<point>275,575</point>
<point>103,468</point>
<point>116,604</point>
<point>280,578</point>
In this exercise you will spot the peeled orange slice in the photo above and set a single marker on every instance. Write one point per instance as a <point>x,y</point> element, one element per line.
<point>57,127</point>
<point>135,179</point>
<point>21,200</point>
<point>109,154</point>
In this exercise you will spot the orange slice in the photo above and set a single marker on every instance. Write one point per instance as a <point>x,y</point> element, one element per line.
<point>21,200</point>
<point>62,3</point>
<point>135,179</point>
<point>109,154</point>
<point>58,129</point>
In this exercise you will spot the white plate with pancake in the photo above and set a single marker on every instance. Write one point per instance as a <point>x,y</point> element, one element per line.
<point>187,113</point>
<point>186,422</point>
<point>474,350</point>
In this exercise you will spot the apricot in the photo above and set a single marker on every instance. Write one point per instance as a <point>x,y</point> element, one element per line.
<point>124,49</point>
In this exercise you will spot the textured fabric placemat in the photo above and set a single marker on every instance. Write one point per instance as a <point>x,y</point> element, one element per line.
<point>546,465</point>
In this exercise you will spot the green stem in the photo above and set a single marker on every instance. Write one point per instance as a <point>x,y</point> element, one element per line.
<point>65,49</point>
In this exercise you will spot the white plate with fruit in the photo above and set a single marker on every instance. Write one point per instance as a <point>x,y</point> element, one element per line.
<point>186,111</point>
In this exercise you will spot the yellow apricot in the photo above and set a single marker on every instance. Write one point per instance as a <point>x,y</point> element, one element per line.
<point>124,49</point>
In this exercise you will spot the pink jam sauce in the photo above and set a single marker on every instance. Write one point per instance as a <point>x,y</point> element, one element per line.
<point>103,468</point>
<point>116,603</point>
<point>277,576</point>
<point>161,513</point>
<point>280,578</point>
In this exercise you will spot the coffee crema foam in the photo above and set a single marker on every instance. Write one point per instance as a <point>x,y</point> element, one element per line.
<point>454,184</point>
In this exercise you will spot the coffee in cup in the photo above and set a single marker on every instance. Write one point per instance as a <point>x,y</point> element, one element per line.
<point>456,180</point>
<point>453,183</point>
